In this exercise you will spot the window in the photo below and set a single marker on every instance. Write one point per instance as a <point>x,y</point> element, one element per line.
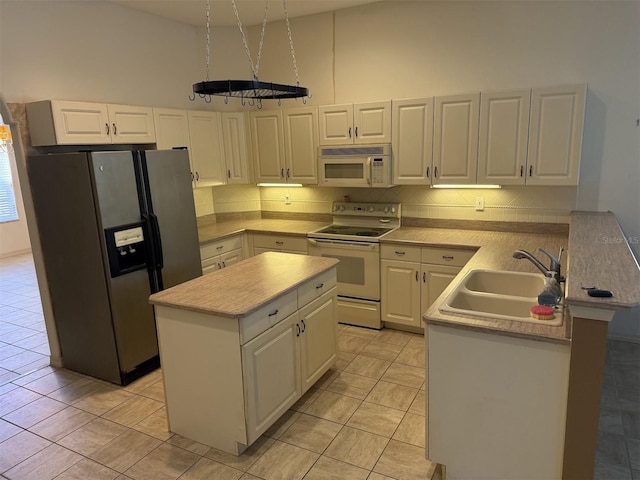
<point>8,211</point>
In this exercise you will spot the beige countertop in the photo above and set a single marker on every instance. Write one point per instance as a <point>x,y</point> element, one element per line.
<point>216,231</point>
<point>242,288</point>
<point>494,251</point>
<point>601,258</point>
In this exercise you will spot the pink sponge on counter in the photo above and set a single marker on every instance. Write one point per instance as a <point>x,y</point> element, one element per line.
<point>542,312</point>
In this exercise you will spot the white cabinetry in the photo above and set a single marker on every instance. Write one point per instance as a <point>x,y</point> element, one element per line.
<point>504,130</point>
<point>412,141</point>
<point>235,147</point>
<point>57,122</point>
<point>264,242</point>
<point>221,253</point>
<point>413,277</point>
<point>355,123</point>
<point>285,145</point>
<point>479,385</point>
<point>229,379</point>
<point>555,135</point>
<point>199,133</point>
<point>455,139</point>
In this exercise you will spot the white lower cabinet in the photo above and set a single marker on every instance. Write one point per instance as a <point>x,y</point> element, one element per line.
<point>264,242</point>
<point>413,277</point>
<point>227,380</point>
<point>221,253</point>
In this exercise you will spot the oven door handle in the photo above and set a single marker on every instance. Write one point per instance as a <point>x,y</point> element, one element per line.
<point>339,243</point>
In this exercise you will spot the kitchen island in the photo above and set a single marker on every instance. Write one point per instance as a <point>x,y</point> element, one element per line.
<point>238,347</point>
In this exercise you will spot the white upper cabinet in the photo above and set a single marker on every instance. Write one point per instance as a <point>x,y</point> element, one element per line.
<point>57,122</point>
<point>206,153</point>
<point>555,135</point>
<point>267,139</point>
<point>235,147</point>
<point>504,130</point>
<point>412,141</point>
<point>359,123</point>
<point>285,145</point>
<point>172,128</point>
<point>455,140</point>
<point>301,144</point>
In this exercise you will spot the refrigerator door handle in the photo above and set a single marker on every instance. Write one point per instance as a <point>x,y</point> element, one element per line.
<point>157,241</point>
<point>149,241</point>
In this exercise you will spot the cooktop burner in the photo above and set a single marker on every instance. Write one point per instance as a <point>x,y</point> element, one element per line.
<point>353,230</point>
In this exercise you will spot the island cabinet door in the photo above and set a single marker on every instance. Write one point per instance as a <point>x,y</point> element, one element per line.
<point>271,369</point>
<point>318,338</point>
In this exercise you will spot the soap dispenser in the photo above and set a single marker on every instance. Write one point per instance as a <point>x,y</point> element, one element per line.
<point>552,293</point>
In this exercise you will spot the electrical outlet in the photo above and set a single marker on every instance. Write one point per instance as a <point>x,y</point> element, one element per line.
<point>287,199</point>
<point>479,204</point>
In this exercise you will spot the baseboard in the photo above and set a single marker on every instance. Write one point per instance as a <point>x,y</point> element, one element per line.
<point>56,361</point>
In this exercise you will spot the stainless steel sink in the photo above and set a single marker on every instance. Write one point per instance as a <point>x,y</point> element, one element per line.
<point>498,294</point>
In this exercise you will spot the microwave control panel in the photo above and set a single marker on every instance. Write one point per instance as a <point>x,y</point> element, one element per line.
<point>378,171</point>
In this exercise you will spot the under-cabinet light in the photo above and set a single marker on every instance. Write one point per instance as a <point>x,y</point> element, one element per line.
<point>451,185</point>
<point>279,184</point>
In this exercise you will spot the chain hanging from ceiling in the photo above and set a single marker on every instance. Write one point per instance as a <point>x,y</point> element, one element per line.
<point>252,90</point>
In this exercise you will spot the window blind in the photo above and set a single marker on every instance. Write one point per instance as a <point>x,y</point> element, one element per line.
<point>8,211</point>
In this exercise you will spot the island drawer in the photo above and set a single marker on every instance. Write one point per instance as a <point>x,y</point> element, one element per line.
<point>217,247</point>
<point>309,291</point>
<point>266,317</point>
<point>408,253</point>
<point>446,256</point>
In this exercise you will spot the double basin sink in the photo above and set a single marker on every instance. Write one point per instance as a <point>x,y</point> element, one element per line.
<point>499,294</point>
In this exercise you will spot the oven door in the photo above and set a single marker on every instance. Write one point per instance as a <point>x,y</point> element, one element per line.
<point>359,267</point>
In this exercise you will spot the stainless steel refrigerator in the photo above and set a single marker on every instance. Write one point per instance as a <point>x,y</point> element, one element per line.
<point>115,227</point>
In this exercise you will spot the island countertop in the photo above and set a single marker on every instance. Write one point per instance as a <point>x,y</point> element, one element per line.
<point>242,288</point>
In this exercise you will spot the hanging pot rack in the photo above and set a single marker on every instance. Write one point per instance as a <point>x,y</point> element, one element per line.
<point>251,90</point>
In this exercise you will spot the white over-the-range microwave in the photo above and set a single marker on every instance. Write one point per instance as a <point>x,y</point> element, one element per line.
<point>355,166</point>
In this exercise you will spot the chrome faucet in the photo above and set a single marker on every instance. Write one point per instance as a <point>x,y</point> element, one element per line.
<point>554,268</point>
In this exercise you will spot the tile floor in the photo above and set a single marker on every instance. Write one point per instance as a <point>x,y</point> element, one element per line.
<point>363,420</point>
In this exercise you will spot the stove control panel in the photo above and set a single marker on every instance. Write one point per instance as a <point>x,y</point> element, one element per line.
<point>353,209</point>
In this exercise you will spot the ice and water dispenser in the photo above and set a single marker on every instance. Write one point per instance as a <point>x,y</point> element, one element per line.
<point>126,249</point>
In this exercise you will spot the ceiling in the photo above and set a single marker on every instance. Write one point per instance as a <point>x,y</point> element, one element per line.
<point>251,12</point>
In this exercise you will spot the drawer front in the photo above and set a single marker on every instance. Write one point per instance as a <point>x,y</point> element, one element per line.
<point>316,287</point>
<point>280,242</point>
<point>266,317</point>
<point>407,253</point>
<point>446,256</point>
<point>211,249</point>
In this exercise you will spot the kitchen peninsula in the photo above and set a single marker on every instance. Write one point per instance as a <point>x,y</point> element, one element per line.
<point>240,346</point>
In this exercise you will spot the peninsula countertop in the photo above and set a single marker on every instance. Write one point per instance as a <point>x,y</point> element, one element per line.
<point>242,288</point>
<point>494,251</point>
<point>220,230</point>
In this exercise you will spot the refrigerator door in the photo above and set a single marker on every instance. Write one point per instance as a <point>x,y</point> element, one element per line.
<point>170,199</point>
<point>118,204</point>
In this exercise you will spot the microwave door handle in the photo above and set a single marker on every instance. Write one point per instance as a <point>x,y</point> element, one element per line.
<point>370,166</point>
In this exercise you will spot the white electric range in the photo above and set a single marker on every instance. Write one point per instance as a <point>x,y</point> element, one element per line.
<point>354,239</point>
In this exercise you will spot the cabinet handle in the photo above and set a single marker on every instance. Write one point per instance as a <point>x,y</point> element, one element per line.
<point>192,176</point>
<point>219,266</point>
<point>224,265</point>
<point>107,127</point>
<point>115,130</point>
<point>531,171</point>
<point>297,330</point>
<point>288,174</point>
<point>447,257</point>
<point>427,172</point>
<point>279,242</point>
<point>424,277</point>
<point>349,132</point>
<point>320,286</point>
<point>197,177</point>
<point>356,132</point>
<point>274,313</point>
<point>282,173</point>
<point>416,275</point>
<point>521,170</point>
<point>219,247</point>
<point>228,173</point>
<point>304,326</point>
<point>400,253</point>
